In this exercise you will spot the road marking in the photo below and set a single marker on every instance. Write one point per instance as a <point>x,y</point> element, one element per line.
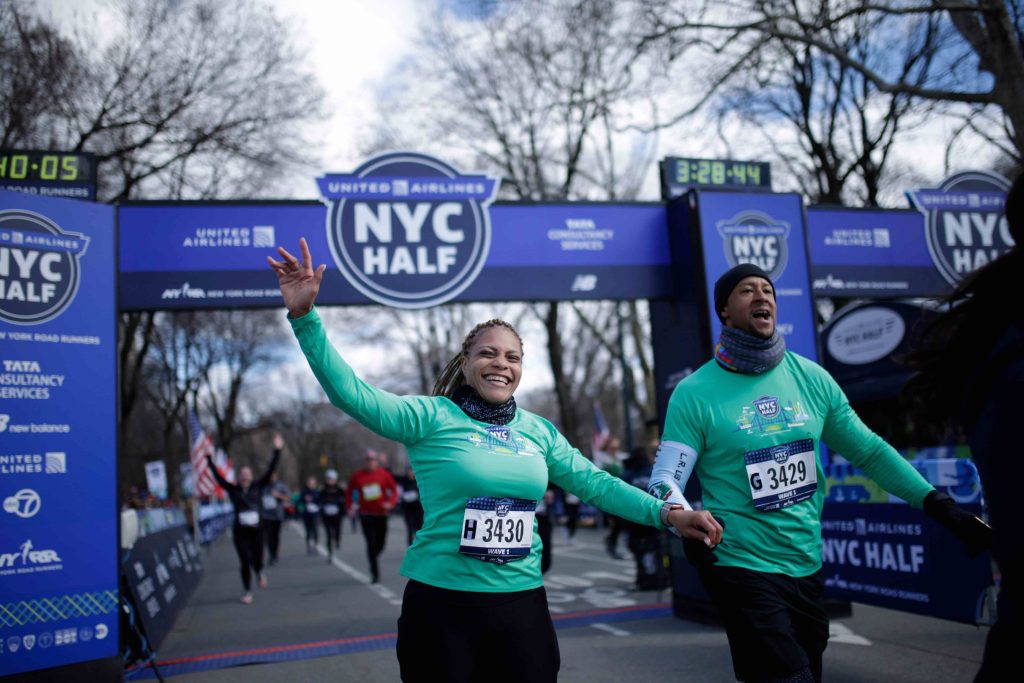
<point>380,589</point>
<point>611,629</point>
<point>837,633</point>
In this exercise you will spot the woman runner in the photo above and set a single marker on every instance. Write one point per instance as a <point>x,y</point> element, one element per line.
<point>474,607</point>
<point>247,534</point>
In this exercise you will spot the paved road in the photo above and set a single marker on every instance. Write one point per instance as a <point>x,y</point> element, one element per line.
<point>324,622</point>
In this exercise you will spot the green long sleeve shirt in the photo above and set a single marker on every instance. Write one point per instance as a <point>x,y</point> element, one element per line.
<point>457,458</point>
<point>754,442</point>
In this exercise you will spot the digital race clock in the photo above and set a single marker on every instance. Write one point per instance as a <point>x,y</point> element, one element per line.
<point>57,174</point>
<point>679,174</point>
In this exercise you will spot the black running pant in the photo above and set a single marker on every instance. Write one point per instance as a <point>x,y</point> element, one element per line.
<point>272,530</point>
<point>312,535</point>
<point>413,521</point>
<point>776,624</point>
<point>249,546</point>
<point>375,530</point>
<point>332,529</point>
<point>463,636</point>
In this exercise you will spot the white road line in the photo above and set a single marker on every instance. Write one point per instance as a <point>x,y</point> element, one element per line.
<point>837,633</point>
<point>611,629</point>
<point>380,589</point>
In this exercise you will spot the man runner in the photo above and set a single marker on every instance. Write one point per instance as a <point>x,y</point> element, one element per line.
<point>750,422</point>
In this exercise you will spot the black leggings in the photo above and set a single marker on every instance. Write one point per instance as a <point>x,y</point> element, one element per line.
<point>272,529</point>
<point>462,636</point>
<point>249,546</point>
<point>375,529</point>
<point>312,535</point>
<point>332,529</point>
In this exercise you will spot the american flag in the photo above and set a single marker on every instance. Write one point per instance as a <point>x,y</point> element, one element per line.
<point>601,431</point>
<point>201,447</point>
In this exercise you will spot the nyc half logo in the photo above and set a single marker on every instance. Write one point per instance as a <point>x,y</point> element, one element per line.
<point>408,230</point>
<point>755,237</point>
<point>964,222</point>
<point>39,267</point>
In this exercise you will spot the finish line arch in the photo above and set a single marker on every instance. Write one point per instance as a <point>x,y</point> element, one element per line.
<point>58,458</point>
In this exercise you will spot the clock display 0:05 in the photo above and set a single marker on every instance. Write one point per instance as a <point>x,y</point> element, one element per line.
<point>64,167</point>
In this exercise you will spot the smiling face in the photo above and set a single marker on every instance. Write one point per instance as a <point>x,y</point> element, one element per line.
<point>751,307</point>
<point>494,364</point>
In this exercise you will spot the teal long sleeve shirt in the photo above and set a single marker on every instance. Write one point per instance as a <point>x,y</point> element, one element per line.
<point>457,458</point>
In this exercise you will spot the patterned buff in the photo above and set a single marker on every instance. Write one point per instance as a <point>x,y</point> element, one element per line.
<point>472,404</point>
<point>739,351</point>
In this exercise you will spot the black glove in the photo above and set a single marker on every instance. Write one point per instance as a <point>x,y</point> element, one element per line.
<point>698,554</point>
<point>969,529</point>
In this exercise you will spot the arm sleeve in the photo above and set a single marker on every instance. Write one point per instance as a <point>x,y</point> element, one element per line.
<point>569,469</point>
<point>271,468</point>
<point>680,447</point>
<point>847,435</point>
<point>672,468</point>
<point>403,419</point>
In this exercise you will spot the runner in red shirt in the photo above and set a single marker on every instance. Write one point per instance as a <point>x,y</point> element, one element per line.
<point>377,495</point>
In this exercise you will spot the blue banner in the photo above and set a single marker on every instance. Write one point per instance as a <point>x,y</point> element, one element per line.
<point>214,255</point>
<point>58,433</point>
<point>965,225</point>
<point>868,252</point>
<point>895,556</point>
<point>767,230</point>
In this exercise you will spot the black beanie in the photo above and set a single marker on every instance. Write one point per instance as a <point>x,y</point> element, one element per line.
<point>725,284</point>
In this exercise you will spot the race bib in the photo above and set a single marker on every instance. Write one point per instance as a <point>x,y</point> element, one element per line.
<point>330,509</point>
<point>497,530</point>
<point>782,475</point>
<point>249,518</point>
<point>269,502</point>
<point>410,496</point>
<point>371,492</point>
<point>312,507</point>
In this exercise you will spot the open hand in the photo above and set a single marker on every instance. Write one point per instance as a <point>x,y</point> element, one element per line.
<point>298,281</point>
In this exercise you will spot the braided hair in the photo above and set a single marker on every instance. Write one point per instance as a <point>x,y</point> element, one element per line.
<point>451,378</point>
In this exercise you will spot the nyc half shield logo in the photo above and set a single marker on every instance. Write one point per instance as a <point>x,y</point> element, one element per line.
<point>39,267</point>
<point>755,237</point>
<point>408,230</point>
<point>964,221</point>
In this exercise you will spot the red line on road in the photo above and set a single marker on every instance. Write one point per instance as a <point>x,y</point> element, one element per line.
<point>278,648</point>
<point>383,636</point>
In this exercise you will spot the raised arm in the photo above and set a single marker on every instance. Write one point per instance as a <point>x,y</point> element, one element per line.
<point>298,281</point>
<point>404,419</point>
<point>224,483</point>
<point>272,467</point>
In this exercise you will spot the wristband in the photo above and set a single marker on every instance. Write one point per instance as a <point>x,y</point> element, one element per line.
<point>665,509</point>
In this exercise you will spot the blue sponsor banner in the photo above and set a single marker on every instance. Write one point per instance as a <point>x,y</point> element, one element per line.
<point>214,255</point>
<point>966,228</point>
<point>58,438</point>
<point>894,556</point>
<point>767,230</point>
<point>867,252</point>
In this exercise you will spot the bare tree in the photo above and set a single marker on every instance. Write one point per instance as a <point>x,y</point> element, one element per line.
<point>240,343</point>
<point>975,47</point>
<point>535,91</point>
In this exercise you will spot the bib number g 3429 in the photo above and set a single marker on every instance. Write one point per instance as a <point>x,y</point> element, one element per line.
<point>497,530</point>
<point>781,475</point>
